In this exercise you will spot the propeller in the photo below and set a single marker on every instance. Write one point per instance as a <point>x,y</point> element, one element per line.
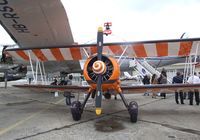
<point>99,68</point>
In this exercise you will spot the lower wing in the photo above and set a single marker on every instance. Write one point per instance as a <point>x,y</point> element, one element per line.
<point>166,88</point>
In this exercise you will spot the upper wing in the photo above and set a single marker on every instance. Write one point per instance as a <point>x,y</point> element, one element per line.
<point>126,89</point>
<point>36,23</point>
<point>156,48</point>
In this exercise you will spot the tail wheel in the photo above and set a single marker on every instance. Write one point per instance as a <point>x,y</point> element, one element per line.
<point>107,95</point>
<point>76,110</point>
<point>133,111</point>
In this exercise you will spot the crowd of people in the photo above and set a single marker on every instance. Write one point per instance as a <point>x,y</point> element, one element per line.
<point>178,79</point>
<point>162,79</point>
<point>64,81</point>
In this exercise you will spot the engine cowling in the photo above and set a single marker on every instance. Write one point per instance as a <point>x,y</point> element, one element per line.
<point>107,67</point>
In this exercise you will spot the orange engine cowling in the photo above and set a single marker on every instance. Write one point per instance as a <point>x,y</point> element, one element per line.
<point>109,70</point>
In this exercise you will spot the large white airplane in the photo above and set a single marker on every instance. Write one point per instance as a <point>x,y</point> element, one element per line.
<point>42,31</point>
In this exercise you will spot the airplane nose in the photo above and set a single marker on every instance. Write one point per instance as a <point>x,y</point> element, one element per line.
<point>99,67</point>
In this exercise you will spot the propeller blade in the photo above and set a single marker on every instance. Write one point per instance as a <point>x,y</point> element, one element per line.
<point>99,80</point>
<point>99,95</point>
<point>99,43</point>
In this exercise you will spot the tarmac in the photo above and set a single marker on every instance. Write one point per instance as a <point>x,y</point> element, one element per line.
<point>26,115</point>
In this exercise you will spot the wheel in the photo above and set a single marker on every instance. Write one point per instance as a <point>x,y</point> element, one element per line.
<point>76,110</point>
<point>133,111</point>
<point>107,95</point>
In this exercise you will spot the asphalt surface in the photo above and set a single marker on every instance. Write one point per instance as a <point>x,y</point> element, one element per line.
<point>41,116</point>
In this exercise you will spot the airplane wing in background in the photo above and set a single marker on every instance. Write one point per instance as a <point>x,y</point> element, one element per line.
<point>169,88</point>
<point>36,23</point>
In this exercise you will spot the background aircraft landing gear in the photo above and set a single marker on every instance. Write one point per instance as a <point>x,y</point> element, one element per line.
<point>77,108</point>
<point>132,108</point>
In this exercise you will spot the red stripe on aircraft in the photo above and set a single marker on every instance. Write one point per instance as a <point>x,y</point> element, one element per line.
<point>185,48</point>
<point>116,49</point>
<point>76,53</point>
<point>139,50</point>
<point>57,54</point>
<point>39,54</point>
<point>22,54</point>
<point>162,49</point>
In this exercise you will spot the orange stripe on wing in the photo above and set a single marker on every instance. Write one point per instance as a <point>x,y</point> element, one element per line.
<point>57,54</point>
<point>116,49</point>
<point>39,54</point>
<point>139,50</point>
<point>76,53</point>
<point>93,50</point>
<point>22,54</point>
<point>162,49</point>
<point>185,48</point>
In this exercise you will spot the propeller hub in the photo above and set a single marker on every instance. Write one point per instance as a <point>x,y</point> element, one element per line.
<point>99,67</point>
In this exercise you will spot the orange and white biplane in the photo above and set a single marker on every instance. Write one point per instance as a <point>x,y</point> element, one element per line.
<point>52,43</point>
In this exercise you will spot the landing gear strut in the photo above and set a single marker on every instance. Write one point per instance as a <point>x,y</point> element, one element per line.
<point>132,108</point>
<point>77,108</point>
<point>68,97</point>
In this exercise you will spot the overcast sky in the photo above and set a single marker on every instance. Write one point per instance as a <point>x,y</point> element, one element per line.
<point>132,19</point>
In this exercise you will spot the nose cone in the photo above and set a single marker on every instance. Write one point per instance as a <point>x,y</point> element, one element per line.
<point>99,67</point>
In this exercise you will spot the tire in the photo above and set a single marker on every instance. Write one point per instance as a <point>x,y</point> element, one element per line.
<point>107,96</point>
<point>76,110</point>
<point>133,111</point>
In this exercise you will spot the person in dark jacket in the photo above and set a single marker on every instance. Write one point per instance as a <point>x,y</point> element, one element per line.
<point>146,81</point>
<point>3,57</point>
<point>179,80</point>
<point>163,80</point>
<point>55,81</point>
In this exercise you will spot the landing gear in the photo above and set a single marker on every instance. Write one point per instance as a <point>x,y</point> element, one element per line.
<point>77,108</point>
<point>133,111</point>
<point>115,96</point>
<point>132,108</point>
<point>107,95</point>
<point>93,94</point>
<point>68,97</point>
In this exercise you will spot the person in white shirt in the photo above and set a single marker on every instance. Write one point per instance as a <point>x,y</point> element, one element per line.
<point>194,80</point>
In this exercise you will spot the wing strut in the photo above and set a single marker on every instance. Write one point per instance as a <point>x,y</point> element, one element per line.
<point>34,74</point>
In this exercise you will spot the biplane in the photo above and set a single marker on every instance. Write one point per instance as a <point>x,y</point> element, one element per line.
<point>101,70</point>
